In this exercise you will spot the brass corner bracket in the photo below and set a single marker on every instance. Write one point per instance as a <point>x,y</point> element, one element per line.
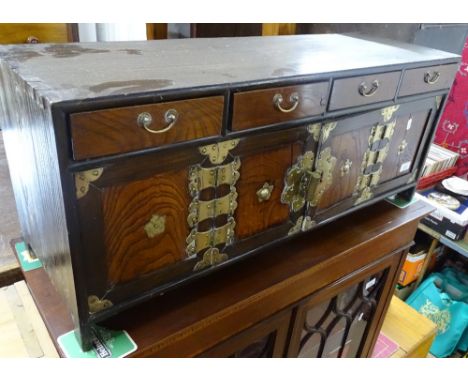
<point>84,178</point>
<point>95,304</point>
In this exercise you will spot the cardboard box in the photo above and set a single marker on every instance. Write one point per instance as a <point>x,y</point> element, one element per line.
<point>411,268</point>
<point>445,221</point>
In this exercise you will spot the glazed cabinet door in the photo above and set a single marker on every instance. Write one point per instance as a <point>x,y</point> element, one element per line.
<point>264,340</point>
<point>341,320</point>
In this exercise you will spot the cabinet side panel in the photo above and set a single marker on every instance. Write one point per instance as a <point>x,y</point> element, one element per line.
<point>32,159</point>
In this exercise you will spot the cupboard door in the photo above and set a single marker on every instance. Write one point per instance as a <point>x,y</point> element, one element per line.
<point>338,321</point>
<point>259,191</point>
<point>264,340</point>
<point>403,148</point>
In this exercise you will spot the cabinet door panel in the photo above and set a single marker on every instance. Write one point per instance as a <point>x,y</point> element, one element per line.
<point>404,144</point>
<point>348,148</point>
<point>259,173</point>
<point>144,226</point>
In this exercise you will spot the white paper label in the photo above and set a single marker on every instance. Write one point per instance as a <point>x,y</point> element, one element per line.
<point>436,214</point>
<point>405,166</point>
<point>371,283</point>
<point>450,234</point>
<point>408,125</point>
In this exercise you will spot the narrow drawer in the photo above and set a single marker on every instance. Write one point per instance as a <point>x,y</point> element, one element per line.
<point>357,91</point>
<point>125,129</point>
<point>427,79</point>
<point>268,106</point>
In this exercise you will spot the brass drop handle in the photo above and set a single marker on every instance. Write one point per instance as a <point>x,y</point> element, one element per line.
<point>170,117</point>
<point>431,79</point>
<point>365,91</point>
<point>293,99</point>
<point>264,192</point>
<point>32,40</point>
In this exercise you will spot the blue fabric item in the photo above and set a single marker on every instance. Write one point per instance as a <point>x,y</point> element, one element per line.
<point>441,298</point>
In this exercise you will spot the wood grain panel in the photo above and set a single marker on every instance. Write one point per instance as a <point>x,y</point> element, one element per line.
<point>18,33</point>
<point>128,208</point>
<point>256,108</point>
<point>114,131</point>
<point>348,146</point>
<point>345,91</point>
<point>413,80</point>
<point>253,216</point>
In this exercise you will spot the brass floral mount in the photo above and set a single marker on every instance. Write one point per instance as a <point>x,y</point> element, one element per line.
<point>155,226</point>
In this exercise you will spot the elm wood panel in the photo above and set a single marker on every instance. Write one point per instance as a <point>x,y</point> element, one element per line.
<point>345,91</point>
<point>237,301</point>
<point>347,146</point>
<point>256,107</point>
<point>414,79</point>
<point>253,216</point>
<point>128,208</point>
<point>334,289</point>
<point>276,326</point>
<point>114,131</point>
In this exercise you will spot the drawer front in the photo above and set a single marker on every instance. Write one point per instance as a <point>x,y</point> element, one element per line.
<point>120,130</point>
<point>427,79</point>
<point>268,106</point>
<point>363,90</point>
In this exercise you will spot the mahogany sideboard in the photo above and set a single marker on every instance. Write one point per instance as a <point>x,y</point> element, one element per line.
<point>322,295</point>
<point>140,166</point>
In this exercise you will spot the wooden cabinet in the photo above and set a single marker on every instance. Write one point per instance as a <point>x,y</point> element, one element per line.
<point>39,33</point>
<point>144,171</point>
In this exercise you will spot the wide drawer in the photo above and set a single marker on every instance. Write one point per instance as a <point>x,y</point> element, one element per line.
<point>268,106</point>
<point>427,79</point>
<point>357,91</point>
<point>120,130</point>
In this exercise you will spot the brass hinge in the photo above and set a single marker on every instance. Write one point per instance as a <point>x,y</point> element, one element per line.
<point>302,184</point>
<point>373,159</point>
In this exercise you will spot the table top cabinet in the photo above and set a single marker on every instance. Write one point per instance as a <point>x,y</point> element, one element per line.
<point>140,166</point>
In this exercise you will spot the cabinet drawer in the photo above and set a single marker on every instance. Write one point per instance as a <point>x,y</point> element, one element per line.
<point>427,79</point>
<point>363,90</point>
<point>267,106</point>
<point>120,130</point>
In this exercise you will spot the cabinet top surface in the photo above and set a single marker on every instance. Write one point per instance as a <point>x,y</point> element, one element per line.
<point>64,72</point>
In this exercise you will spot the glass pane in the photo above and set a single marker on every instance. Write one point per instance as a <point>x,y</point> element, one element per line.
<point>337,327</point>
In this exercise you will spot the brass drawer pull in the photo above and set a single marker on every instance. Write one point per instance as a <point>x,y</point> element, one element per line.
<point>170,117</point>
<point>278,100</point>
<point>365,91</point>
<point>431,79</point>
